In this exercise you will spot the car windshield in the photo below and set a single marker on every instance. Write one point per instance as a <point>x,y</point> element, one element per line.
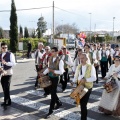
<point>70,41</point>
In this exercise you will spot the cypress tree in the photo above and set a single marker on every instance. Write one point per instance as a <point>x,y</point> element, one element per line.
<point>13,29</point>
<point>26,34</point>
<point>1,32</point>
<point>21,32</point>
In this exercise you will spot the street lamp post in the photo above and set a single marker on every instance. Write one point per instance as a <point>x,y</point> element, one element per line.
<point>90,27</point>
<point>62,28</point>
<point>113,28</point>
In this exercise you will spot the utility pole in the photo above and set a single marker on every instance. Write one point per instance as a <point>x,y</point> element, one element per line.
<point>95,32</point>
<point>62,28</point>
<point>53,23</point>
<point>113,29</point>
<point>90,27</point>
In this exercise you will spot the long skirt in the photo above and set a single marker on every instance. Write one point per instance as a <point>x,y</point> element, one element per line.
<point>110,102</point>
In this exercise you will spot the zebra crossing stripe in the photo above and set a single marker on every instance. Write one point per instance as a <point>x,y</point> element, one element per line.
<point>68,100</point>
<point>66,114</point>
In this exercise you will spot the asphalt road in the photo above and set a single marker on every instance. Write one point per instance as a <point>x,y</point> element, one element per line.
<point>25,98</point>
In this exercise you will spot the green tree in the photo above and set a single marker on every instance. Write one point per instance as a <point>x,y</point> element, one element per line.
<point>33,34</point>
<point>1,33</point>
<point>42,27</point>
<point>13,29</point>
<point>108,38</point>
<point>21,32</point>
<point>26,34</point>
<point>39,33</point>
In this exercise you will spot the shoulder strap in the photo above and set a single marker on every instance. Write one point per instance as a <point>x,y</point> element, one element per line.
<point>36,54</point>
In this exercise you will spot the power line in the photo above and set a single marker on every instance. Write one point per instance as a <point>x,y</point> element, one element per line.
<point>68,11</point>
<point>25,9</point>
<point>84,16</point>
<point>57,8</point>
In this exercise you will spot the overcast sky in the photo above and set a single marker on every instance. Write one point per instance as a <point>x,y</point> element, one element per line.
<point>70,11</point>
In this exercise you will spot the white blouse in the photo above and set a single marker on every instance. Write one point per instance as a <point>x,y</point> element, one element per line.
<point>113,70</point>
<point>80,76</point>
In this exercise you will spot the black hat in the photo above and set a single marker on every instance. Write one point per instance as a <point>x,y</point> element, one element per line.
<point>117,57</point>
<point>117,46</point>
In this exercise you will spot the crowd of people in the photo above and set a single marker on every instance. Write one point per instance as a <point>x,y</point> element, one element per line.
<point>88,60</point>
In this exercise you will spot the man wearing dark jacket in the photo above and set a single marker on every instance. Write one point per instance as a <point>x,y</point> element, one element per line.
<point>7,60</point>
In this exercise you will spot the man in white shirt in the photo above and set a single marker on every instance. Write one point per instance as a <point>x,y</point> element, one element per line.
<point>116,52</point>
<point>89,54</point>
<point>7,60</point>
<point>96,60</point>
<point>55,68</point>
<point>45,60</point>
<point>38,60</point>
<point>111,53</point>
<point>85,74</point>
<point>67,62</point>
<point>103,56</point>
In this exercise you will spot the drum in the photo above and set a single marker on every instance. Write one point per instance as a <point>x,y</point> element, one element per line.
<point>42,70</point>
<point>44,81</point>
<point>78,93</point>
<point>110,85</point>
<point>96,64</point>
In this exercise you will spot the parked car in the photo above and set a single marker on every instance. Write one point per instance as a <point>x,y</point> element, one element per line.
<point>70,44</point>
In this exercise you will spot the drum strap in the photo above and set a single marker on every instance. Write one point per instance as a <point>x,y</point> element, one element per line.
<point>81,70</point>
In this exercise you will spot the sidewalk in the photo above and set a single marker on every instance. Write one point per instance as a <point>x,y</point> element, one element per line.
<point>19,60</point>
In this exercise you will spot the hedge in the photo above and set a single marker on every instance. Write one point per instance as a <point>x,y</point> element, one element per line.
<point>34,42</point>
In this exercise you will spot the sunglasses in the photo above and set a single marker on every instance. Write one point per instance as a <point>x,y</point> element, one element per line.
<point>4,47</point>
<point>46,49</point>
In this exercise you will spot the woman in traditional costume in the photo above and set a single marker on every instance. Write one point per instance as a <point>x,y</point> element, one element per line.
<point>110,101</point>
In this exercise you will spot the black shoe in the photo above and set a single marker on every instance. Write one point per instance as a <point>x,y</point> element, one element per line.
<point>45,94</point>
<point>108,113</point>
<point>48,115</point>
<point>75,102</point>
<point>4,104</point>
<point>63,89</point>
<point>36,87</point>
<point>58,106</point>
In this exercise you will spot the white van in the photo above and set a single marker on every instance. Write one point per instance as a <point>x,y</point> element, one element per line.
<point>70,44</point>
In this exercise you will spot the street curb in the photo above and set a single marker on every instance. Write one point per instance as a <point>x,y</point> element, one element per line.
<point>25,60</point>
